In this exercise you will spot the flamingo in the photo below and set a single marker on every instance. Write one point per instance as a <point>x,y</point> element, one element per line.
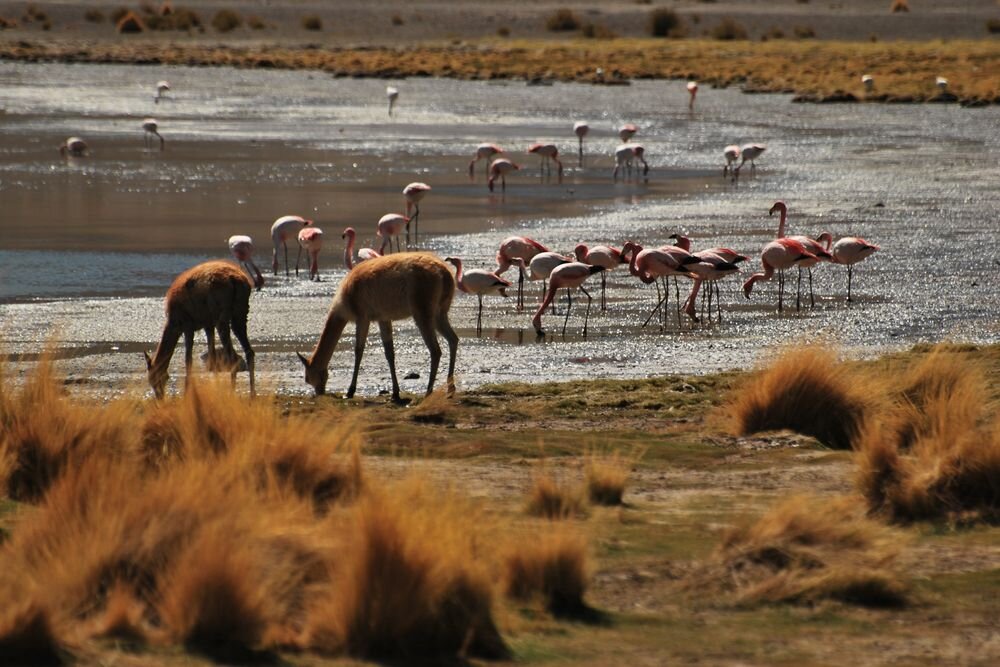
<point>161,88</point>
<point>627,131</point>
<point>392,94</point>
<point>483,152</point>
<point>580,129</point>
<point>364,254</point>
<point>600,255</point>
<point>500,168</point>
<point>849,251</point>
<point>813,246</point>
<point>242,249</point>
<point>478,282</point>
<point>517,247</point>
<point>749,152</point>
<point>624,156</point>
<point>541,266</point>
<point>413,193</point>
<point>692,88</point>
<point>281,231</point>
<point>389,225</point>
<point>732,153</point>
<point>779,254</point>
<point>868,82</point>
<point>653,263</point>
<point>150,128</point>
<point>549,153</point>
<point>715,264</point>
<point>941,83</point>
<point>569,275</point>
<point>73,147</point>
<point>310,240</point>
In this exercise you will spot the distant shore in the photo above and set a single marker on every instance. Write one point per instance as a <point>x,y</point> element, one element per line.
<point>815,71</point>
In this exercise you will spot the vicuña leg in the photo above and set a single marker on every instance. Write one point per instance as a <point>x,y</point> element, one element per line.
<point>360,338</point>
<point>444,328</point>
<point>240,331</point>
<point>425,324</point>
<point>385,329</point>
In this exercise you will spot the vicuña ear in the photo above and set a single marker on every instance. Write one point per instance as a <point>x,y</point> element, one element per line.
<point>149,360</point>
<point>305,362</point>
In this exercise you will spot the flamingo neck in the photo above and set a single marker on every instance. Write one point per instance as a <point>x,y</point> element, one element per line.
<point>781,223</point>
<point>349,253</point>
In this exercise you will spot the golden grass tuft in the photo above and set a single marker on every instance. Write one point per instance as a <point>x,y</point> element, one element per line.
<point>553,566</point>
<point>606,475</point>
<point>805,390</point>
<point>806,550</point>
<point>554,499</point>
<point>122,619</point>
<point>412,582</point>
<point>899,6</point>
<point>27,636</point>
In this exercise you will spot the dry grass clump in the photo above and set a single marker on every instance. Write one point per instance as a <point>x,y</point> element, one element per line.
<point>554,499</point>
<point>226,20</point>
<point>562,20</point>
<point>806,550</point>
<point>412,582</point>
<point>664,22</point>
<point>597,31</point>
<point>993,26</point>
<point>804,32</point>
<point>255,22</point>
<point>606,476</point>
<point>553,566</point>
<point>397,19</point>
<point>130,23</point>
<point>728,30</point>
<point>94,15</point>
<point>899,6</point>
<point>180,18</point>
<point>808,391</point>
<point>312,22</point>
<point>27,636</point>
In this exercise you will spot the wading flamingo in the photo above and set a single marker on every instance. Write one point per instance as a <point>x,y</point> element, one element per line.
<point>500,168</point>
<point>692,88</point>
<point>570,275</point>
<point>868,82</point>
<point>716,264</point>
<point>650,264</point>
<point>483,152</point>
<point>391,94</point>
<point>478,282</point>
<point>214,296</point>
<point>780,254</point>
<point>381,290</point>
<point>541,266</point>
<point>364,254</point>
<point>849,251</point>
<point>283,229</point>
<point>242,249</point>
<point>413,193</point>
<point>813,246</point>
<point>580,129</point>
<point>390,225</point>
<point>625,155</point>
<point>310,240</point>
<point>517,247</point>
<point>600,255</point>
<point>73,147</point>
<point>162,87</point>
<point>150,129</point>
<point>749,153</point>
<point>732,154</point>
<point>548,153</point>
<point>627,131</point>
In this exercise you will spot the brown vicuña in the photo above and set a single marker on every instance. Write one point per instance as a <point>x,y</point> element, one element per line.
<point>210,296</point>
<point>384,289</point>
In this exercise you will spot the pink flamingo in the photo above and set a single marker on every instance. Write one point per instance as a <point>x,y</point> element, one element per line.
<point>692,88</point>
<point>570,275</point>
<point>150,129</point>
<point>849,251</point>
<point>780,254</point>
<point>624,157</point>
<point>483,152</point>
<point>242,249</point>
<point>310,240</point>
<point>627,131</point>
<point>549,153</point>
<point>580,129</point>
<point>391,94</point>
<point>749,153</point>
<point>600,255</point>
<point>478,282</point>
<point>73,147</point>
<point>716,263</point>
<point>500,168</point>
<point>162,87</point>
<point>648,265</point>
<point>813,246</point>
<point>390,225</point>
<point>513,248</point>
<point>281,231</point>
<point>363,253</point>
<point>541,266</point>
<point>732,154</point>
<point>413,193</point>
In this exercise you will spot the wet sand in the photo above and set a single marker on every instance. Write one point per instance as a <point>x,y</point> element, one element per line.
<point>93,243</point>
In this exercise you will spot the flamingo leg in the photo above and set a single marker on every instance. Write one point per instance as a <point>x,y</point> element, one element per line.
<point>656,308</point>
<point>586,317</point>
<point>604,287</point>
<point>416,226</point>
<point>479,319</point>
<point>781,288</point>
<point>798,291</point>
<point>520,289</point>
<point>812,299</point>
<point>569,304</point>
<point>286,258</point>
<point>297,258</point>
<point>850,270</point>
<point>677,301</point>
<point>718,302</point>
<point>581,152</point>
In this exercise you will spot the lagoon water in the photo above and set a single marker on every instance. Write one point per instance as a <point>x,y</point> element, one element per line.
<point>89,245</point>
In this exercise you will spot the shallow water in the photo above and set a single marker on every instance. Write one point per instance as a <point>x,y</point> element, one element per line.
<point>88,246</point>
